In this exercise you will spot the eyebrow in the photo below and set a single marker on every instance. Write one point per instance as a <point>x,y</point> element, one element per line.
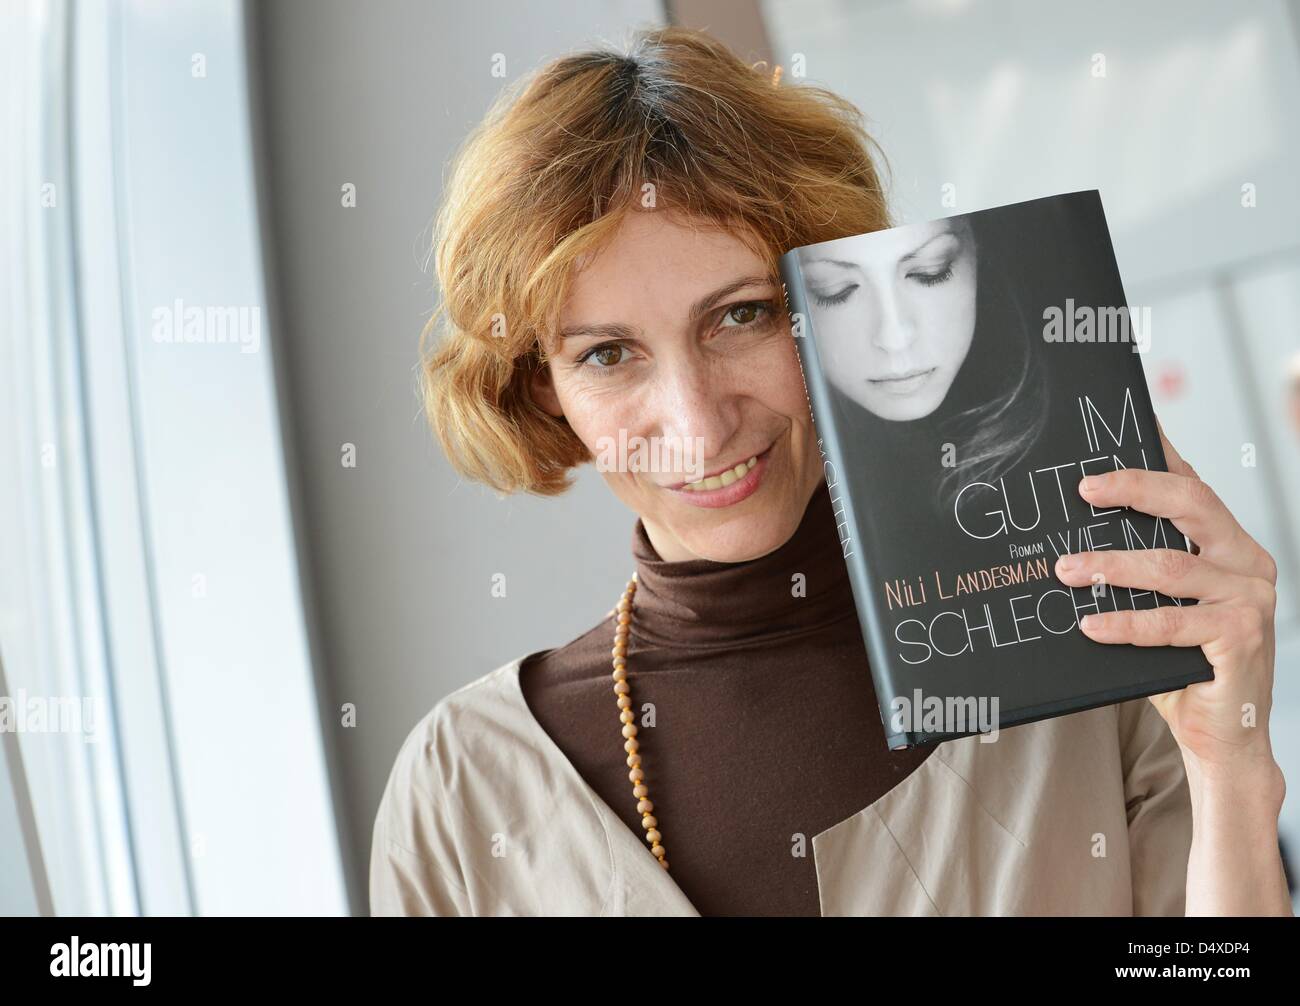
<point>906,258</point>
<point>618,330</point>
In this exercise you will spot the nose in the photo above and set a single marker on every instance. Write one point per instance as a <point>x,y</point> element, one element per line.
<point>893,330</point>
<point>698,410</point>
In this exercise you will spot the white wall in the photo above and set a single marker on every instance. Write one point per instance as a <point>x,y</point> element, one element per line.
<point>150,574</point>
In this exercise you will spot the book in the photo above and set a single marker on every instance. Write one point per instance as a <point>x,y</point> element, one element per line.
<point>963,375</point>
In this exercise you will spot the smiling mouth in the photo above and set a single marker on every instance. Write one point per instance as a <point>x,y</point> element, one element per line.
<point>727,477</point>
<point>723,478</point>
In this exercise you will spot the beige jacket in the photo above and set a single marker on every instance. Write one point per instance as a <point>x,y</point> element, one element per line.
<point>1087,814</point>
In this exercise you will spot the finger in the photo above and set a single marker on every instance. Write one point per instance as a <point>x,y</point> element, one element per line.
<point>1190,504</point>
<point>1173,460</point>
<point>1219,627</point>
<point>1179,466</point>
<point>1170,571</point>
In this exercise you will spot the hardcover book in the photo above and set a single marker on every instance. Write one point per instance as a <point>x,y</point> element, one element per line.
<point>964,374</point>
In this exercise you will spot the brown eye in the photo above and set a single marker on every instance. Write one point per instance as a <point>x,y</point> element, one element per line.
<point>745,315</point>
<point>602,356</point>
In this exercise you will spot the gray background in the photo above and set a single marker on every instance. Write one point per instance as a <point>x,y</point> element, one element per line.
<point>400,553</point>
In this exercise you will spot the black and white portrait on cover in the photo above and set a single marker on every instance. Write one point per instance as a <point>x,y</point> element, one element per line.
<point>930,336</point>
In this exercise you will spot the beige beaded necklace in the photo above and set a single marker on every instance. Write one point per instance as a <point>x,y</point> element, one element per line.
<point>627,717</point>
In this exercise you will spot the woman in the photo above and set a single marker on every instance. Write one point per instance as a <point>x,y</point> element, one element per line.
<point>927,343</point>
<point>896,317</point>
<point>607,257</point>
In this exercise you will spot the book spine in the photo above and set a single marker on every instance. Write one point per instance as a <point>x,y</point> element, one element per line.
<point>830,442</point>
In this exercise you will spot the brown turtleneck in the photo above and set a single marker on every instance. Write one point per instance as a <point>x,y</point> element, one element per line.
<point>766,728</point>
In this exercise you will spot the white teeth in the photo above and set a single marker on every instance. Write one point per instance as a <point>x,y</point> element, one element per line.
<point>725,479</point>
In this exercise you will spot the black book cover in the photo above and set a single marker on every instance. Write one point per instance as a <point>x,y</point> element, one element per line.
<point>964,374</point>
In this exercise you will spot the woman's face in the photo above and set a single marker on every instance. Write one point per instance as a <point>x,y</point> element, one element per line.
<point>894,316</point>
<point>675,333</point>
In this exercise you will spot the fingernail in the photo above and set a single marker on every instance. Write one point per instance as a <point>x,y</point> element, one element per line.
<point>1086,621</point>
<point>1067,562</point>
<point>1087,485</point>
